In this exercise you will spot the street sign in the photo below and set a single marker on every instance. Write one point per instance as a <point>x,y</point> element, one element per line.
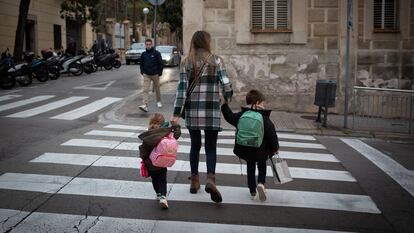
<point>156,2</point>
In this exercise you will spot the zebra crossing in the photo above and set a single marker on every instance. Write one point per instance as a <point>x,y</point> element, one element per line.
<point>49,103</point>
<point>314,169</point>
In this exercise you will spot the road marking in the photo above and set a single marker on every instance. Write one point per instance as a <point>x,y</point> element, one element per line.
<point>397,172</point>
<point>220,141</point>
<point>181,165</point>
<point>25,102</point>
<point>87,109</point>
<point>133,146</point>
<point>9,92</point>
<point>48,107</point>
<point>179,192</point>
<point>93,86</point>
<point>54,222</point>
<point>8,97</point>
<point>222,133</point>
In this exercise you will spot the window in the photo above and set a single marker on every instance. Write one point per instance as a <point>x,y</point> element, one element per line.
<point>57,36</point>
<point>386,16</point>
<point>270,16</point>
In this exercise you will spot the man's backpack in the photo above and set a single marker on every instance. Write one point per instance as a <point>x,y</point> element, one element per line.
<point>250,129</point>
<point>165,153</point>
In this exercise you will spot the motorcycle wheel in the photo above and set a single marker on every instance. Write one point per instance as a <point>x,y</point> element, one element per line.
<point>88,68</point>
<point>7,82</point>
<point>117,64</point>
<point>42,75</point>
<point>108,66</point>
<point>54,72</point>
<point>27,81</point>
<point>76,69</point>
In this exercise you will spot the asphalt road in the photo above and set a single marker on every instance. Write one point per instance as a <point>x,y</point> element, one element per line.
<point>67,166</point>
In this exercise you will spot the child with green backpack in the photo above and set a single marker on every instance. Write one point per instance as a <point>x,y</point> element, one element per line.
<point>256,139</point>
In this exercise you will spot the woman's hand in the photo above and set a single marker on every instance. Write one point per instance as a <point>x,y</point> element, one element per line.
<point>174,120</point>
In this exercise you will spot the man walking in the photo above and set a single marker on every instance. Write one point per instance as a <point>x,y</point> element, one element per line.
<point>151,68</point>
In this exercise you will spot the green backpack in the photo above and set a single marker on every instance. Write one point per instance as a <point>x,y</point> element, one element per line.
<point>250,129</point>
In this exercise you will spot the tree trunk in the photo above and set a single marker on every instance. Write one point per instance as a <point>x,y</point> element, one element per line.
<point>21,25</point>
<point>134,28</point>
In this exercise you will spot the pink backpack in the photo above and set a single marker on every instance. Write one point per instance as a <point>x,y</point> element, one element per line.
<point>165,153</point>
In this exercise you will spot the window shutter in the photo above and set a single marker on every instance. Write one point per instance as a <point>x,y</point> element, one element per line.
<point>283,14</point>
<point>269,14</point>
<point>257,14</point>
<point>385,14</point>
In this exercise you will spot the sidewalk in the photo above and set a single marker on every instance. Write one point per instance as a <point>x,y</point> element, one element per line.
<point>127,112</point>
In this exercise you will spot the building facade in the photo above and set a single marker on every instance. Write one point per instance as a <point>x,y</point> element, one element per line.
<point>44,27</point>
<point>283,47</point>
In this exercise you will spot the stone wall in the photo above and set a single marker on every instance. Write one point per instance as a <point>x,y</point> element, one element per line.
<point>286,66</point>
<point>386,60</point>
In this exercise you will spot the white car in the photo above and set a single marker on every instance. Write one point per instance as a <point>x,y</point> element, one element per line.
<point>133,54</point>
<point>170,55</point>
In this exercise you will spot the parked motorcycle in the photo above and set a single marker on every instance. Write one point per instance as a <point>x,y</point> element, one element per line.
<point>103,59</point>
<point>7,81</point>
<point>52,63</point>
<point>70,64</point>
<point>116,60</point>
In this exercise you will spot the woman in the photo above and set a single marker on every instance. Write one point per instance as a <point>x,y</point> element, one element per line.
<point>202,106</point>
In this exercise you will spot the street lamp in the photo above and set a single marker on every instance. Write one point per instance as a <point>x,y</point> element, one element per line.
<point>145,11</point>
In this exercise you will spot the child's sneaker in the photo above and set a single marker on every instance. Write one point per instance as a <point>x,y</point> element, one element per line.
<point>163,202</point>
<point>252,195</point>
<point>158,196</point>
<point>262,192</point>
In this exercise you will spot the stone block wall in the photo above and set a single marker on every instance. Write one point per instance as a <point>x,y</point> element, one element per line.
<point>386,60</point>
<point>286,66</point>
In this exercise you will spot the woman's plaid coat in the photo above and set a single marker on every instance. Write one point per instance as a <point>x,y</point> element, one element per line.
<point>202,111</point>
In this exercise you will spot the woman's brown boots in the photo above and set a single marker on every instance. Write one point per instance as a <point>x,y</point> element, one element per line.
<point>195,183</point>
<point>212,189</point>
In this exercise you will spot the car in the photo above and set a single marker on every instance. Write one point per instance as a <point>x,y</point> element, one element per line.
<point>133,54</point>
<point>170,55</point>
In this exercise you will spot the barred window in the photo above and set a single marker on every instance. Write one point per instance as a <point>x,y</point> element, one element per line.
<point>386,16</point>
<point>270,15</point>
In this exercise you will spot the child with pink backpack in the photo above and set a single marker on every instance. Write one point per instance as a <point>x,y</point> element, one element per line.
<point>158,151</point>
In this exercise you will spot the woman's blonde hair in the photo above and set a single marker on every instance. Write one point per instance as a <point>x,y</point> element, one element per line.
<point>155,121</point>
<point>200,41</point>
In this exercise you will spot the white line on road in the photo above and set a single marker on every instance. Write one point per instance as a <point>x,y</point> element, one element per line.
<point>133,146</point>
<point>52,222</point>
<point>25,102</point>
<point>87,109</point>
<point>182,139</point>
<point>181,165</point>
<point>397,172</point>
<point>8,97</point>
<point>47,107</point>
<point>179,192</point>
<point>222,133</point>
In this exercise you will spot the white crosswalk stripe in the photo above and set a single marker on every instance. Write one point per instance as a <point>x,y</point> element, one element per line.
<point>47,107</point>
<point>222,133</point>
<point>179,192</point>
<point>180,165</point>
<point>87,109</point>
<point>25,102</point>
<point>8,97</point>
<point>113,187</point>
<point>66,223</point>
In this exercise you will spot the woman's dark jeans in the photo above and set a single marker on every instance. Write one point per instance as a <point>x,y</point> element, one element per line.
<point>251,174</point>
<point>210,145</point>
<point>159,181</point>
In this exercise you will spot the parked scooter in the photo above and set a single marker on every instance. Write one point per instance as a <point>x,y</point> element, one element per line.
<point>70,64</point>
<point>116,60</point>
<point>103,59</point>
<point>22,72</point>
<point>52,63</point>
<point>37,67</point>
<point>7,81</point>
<point>88,62</point>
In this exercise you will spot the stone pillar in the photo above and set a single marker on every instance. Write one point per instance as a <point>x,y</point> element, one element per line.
<point>193,20</point>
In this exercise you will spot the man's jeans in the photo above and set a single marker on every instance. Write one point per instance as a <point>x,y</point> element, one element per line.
<point>147,83</point>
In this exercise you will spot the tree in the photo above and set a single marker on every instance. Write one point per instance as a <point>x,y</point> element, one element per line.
<point>82,11</point>
<point>21,25</point>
